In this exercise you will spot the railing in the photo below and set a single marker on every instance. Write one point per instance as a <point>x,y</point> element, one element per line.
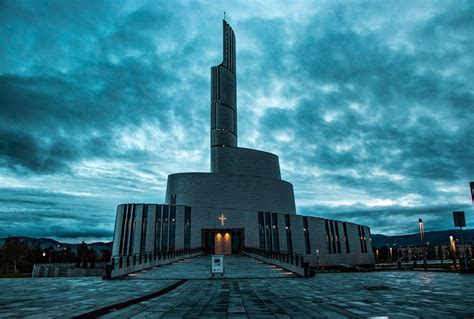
<point>290,261</point>
<point>156,258</point>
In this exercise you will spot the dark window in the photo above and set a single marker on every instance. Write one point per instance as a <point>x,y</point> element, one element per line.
<point>338,238</point>
<point>173,200</point>
<point>158,227</point>
<point>360,239</point>
<point>306,235</point>
<point>164,233</point>
<point>333,238</point>
<point>261,230</point>
<point>187,227</point>
<point>172,228</point>
<point>276,240</point>
<point>289,243</point>
<point>364,242</point>
<point>127,228</point>
<point>328,236</point>
<point>268,233</point>
<point>144,222</point>
<point>132,229</point>
<point>123,208</point>
<point>346,238</point>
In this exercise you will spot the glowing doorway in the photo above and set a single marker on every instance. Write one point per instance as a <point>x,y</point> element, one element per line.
<point>223,244</point>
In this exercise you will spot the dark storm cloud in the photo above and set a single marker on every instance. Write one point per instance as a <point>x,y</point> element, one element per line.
<point>368,105</point>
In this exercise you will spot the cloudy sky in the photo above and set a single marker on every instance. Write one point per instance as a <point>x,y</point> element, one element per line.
<point>370,106</point>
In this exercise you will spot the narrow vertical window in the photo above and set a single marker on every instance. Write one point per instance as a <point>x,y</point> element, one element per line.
<point>333,238</point>
<point>346,238</point>
<point>364,242</point>
<point>143,232</point>
<point>172,228</point>
<point>164,232</point>
<point>360,239</point>
<point>124,222</point>
<point>187,227</point>
<point>328,236</point>
<point>276,240</point>
<point>338,238</point>
<point>306,235</point>
<point>261,230</point>
<point>132,229</point>
<point>268,233</point>
<point>158,228</point>
<point>289,243</point>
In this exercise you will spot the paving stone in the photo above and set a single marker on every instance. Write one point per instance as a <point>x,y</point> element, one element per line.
<point>249,290</point>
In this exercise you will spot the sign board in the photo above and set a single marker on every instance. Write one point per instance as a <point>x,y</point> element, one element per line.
<point>217,264</point>
<point>459,219</point>
<point>472,191</point>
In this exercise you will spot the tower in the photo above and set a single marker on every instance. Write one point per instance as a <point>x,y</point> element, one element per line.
<point>224,97</point>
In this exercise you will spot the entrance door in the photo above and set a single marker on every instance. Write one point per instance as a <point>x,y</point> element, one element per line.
<point>223,244</point>
<point>222,241</point>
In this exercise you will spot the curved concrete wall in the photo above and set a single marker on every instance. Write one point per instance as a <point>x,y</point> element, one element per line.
<point>231,191</point>
<point>244,161</point>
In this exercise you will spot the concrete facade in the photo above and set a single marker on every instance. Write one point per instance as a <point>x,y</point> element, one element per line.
<point>243,196</point>
<point>327,246</point>
<point>230,191</point>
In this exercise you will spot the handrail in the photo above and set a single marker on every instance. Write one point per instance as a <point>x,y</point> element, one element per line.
<point>284,257</point>
<point>144,257</point>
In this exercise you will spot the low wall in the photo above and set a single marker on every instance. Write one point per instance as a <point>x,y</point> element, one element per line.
<point>291,262</point>
<point>66,270</point>
<point>124,265</point>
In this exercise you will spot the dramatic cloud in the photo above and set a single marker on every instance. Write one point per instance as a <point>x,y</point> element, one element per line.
<point>370,107</point>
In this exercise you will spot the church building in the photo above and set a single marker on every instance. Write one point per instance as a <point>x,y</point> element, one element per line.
<point>241,206</point>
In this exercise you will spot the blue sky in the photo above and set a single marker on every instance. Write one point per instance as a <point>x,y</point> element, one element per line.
<point>370,106</point>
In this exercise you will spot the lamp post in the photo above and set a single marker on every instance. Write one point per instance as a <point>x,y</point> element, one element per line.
<point>460,221</point>
<point>452,244</point>
<point>317,258</point>
<point>422,237</point>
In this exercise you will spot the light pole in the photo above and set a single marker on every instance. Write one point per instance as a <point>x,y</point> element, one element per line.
<point>317,259</point>
<point>422,237</point>
<point>452,243</point>
<point>460,221</point>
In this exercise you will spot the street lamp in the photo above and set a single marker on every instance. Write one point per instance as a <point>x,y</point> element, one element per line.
<point>422,237</point>
<point>317,258</point>
<point>453,246</point>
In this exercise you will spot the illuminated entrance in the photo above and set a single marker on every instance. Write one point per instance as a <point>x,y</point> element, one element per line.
<point>222,241</point>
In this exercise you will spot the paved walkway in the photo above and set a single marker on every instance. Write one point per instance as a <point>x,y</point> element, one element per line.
<point>273,294</point>
<point>200,268</point>
<point>59,297</point>
<point>337,295</point>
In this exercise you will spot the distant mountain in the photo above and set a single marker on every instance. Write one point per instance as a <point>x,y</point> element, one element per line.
<point>432,237</point>
<point>49,242</point>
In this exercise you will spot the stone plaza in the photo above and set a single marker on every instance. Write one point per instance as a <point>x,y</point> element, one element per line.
<point>249,289</point>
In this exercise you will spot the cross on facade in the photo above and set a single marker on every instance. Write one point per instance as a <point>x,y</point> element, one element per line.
<point>222,218</point>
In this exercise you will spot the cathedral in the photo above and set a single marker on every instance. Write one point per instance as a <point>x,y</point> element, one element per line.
<point>242,206</point>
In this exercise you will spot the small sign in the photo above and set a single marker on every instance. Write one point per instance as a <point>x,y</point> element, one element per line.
<point>459,219</point>
<point>472,191</point>
<point>217,266</point>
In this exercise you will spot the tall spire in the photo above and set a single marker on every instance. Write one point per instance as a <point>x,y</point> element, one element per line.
<point>229,47</point>
<point>224,96</point>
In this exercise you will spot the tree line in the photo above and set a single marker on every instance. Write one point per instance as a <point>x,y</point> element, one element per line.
<point>18,256</point>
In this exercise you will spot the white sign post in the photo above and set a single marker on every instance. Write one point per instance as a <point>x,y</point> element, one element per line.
<point>217,265</point>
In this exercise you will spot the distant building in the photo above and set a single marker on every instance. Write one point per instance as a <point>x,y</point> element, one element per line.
<point>242,204</point>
